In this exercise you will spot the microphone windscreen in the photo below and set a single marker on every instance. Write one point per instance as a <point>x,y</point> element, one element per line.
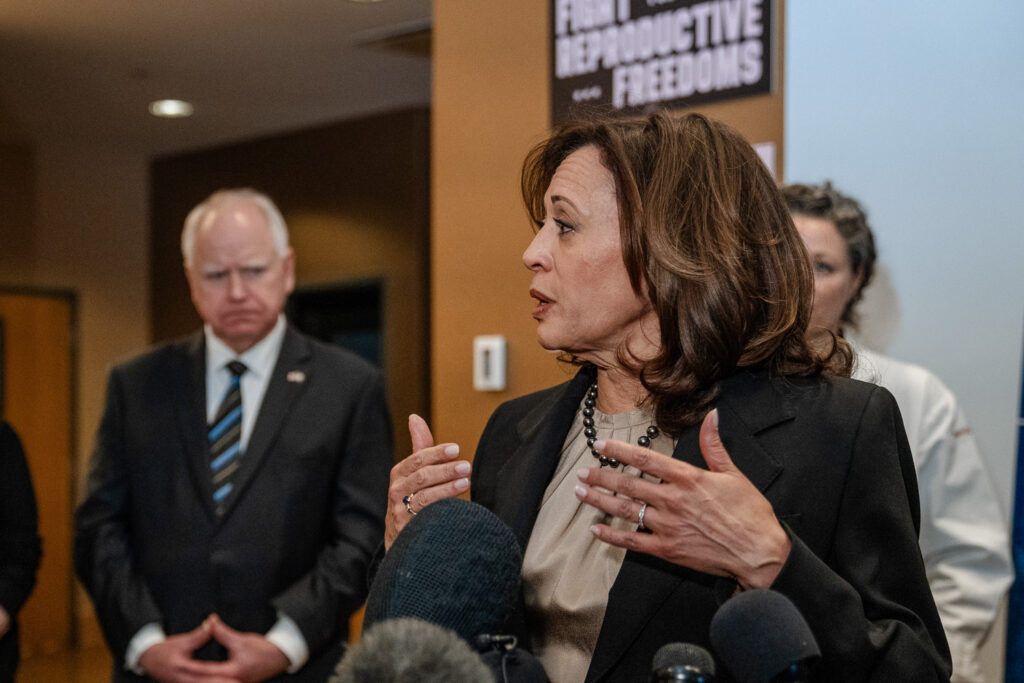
<point>455,564</point>
<point>684,654</point>
<point>411,651</point>
<point>759,634</point>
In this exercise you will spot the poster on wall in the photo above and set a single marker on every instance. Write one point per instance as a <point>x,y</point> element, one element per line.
<point>632,56</point>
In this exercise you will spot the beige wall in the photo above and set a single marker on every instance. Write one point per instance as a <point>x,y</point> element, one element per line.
<point>81,227</point>
<point>78,222</point>
<point>490,104</point>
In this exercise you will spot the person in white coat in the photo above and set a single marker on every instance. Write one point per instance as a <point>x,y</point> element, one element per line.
<point>964,537</point>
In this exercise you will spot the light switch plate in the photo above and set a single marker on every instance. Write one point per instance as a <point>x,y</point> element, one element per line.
<point>489,362</point>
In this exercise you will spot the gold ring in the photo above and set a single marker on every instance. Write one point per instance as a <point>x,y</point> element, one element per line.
<point>408,505</point>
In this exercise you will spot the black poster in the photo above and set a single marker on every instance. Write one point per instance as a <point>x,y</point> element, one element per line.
<point>636,55</point>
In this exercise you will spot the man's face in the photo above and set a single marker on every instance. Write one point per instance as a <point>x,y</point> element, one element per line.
<point>239,283</point>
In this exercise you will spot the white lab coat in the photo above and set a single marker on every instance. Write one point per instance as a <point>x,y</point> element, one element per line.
<point>964,536</point>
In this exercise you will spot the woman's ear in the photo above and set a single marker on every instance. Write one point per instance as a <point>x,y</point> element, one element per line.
<point>858,280</point>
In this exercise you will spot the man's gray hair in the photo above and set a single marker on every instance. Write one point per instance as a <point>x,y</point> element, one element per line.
<point>278,228</point>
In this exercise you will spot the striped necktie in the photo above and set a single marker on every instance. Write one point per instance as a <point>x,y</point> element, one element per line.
<point>225,435</point>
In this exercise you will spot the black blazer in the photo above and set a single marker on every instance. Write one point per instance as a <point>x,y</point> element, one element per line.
<point>305,518</point>
<point>20,546</point>
<point>832,458</point>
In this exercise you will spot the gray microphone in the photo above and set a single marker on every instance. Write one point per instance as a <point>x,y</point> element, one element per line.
<point>761,637</point>
<point>408,649</point>
<point>683,662</point>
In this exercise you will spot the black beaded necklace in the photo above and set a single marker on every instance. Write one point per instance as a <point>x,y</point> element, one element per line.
<point>591,432</point>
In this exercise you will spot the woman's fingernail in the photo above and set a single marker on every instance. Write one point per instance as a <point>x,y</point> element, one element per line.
<point>582,474</point>
<point>463,467</point>
<point>595,530</point>
<point>462,484</point>
<point>599,445</point>
<point>453,449</point>
<point>714,418</point>
<point>581,491</point>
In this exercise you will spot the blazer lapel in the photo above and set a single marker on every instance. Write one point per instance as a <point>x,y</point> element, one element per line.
<point>191,417</point>
<point>287,382</point>
<point>747,404</point>
<point>528,470</point>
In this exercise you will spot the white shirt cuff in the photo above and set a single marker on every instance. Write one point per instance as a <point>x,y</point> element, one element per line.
<point>289,639</point>
<point>147,636</point>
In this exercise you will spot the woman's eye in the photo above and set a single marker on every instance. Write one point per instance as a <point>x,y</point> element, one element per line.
<point>564,227</point>
<point>823,268</point>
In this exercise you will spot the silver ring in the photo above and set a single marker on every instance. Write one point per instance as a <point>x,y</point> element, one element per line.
<point>408,505</point>
<point>640,518</point>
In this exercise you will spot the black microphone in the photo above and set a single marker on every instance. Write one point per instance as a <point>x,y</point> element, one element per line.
<point>455,564</point>
<point>761,637</point>
<point>683,662</point>
<point>508,663</point>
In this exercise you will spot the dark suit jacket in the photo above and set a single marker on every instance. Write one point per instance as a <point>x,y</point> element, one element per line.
<point>832,458</point>
<point>305,518</point>
<point>20,547</point>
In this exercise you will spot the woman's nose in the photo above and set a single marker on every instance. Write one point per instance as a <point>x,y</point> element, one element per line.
<point>537,256</point>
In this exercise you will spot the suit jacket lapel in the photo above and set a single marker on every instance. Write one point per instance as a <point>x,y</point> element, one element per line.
<point>191,417</point>
<point>747,404</point>
<point>528,471</point>
<point>287,381</point>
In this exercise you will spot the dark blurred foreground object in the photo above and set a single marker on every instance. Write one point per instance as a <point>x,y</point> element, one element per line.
<point>455,564</point>
<point>20,546</point>
<point>508,663</point>
<point>409,650</point>
<point>761,637</point>
<point>683,662</point>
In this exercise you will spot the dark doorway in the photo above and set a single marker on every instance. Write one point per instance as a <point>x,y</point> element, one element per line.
<point>348,315</point>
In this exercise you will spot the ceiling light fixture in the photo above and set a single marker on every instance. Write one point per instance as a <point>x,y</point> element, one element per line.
<point>170,109</point>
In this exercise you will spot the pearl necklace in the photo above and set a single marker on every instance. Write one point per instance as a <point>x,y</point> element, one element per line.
<point>591,432</point>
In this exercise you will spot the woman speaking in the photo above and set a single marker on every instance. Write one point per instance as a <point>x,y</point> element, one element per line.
<point>703,447</point>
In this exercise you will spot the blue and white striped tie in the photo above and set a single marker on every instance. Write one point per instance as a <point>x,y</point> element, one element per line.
<point>225,436</point>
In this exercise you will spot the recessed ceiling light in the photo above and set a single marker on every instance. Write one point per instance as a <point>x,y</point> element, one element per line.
<point>170,109</point>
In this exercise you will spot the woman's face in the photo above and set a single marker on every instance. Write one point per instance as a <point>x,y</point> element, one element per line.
<point>585,304</point>
<point>835,282</point>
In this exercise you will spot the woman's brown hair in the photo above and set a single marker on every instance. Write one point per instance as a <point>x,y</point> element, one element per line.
<point>704,226</point>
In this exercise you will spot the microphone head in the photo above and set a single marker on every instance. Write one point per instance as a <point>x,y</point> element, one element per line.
<point>411,651</point>
<point>682,662</point>
<point>760,634</point>
<point>455,564</point>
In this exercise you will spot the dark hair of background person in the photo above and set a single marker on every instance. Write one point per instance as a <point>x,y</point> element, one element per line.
<point>824,201</point>
<point>704,227</point>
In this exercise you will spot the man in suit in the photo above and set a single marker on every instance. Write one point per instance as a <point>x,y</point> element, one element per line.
<point>20,546</point>
<point>239,478</point>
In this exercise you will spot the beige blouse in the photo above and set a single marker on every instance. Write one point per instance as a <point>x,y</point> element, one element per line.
<point>567,571</point>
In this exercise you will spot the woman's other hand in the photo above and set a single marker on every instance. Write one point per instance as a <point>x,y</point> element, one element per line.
<point>428,475</point>
<point>714,521</point>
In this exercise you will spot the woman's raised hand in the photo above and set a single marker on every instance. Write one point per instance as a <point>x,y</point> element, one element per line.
<point>713,521</point>
<point>428,475</point>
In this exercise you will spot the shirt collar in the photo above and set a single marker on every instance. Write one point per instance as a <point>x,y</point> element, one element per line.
<point>259,358</point>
